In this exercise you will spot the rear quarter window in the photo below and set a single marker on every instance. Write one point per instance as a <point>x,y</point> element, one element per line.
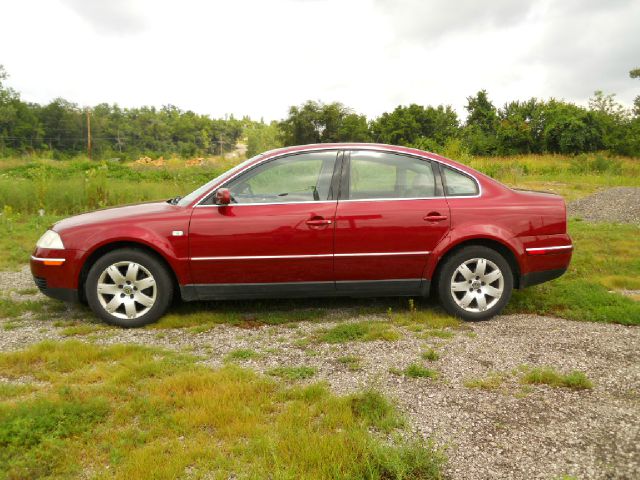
<point>458,184</point>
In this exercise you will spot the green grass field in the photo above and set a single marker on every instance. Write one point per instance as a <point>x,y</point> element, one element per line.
<point>74,409</point>
<point>606,256</point>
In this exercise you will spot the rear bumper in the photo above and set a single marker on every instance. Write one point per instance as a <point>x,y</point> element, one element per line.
<point>534,278</point>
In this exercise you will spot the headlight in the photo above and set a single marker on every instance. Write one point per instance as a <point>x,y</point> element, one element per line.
<point>50,239</point>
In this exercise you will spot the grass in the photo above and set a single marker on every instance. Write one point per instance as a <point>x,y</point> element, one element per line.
<point>548,376</point>
<point>82,329</point>
<point>492,381</point>
<point>292,374</point>
<point>606,257</point>
<point>444,334</point>
<point>430,355</point>
<point>253,314</point>
<point>352,362</point>
<point>571,177</point>
<point>364,331</point>
<point>420,319</point>
<point>418,371</point>
<point>241,354</point>
<point>120,410</point>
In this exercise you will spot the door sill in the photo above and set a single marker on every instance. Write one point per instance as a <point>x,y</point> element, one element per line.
<point>350,288</point>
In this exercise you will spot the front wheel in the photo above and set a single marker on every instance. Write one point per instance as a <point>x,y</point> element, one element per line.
<point>475,283</point>
<point>128,288</point>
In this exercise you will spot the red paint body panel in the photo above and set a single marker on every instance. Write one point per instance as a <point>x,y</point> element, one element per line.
<point>385,227</point>
<point>517,220</point>
<point>262,231</point>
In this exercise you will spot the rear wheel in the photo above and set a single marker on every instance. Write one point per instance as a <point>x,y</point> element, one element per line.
<point>475,283</point>
<point>128,288</point>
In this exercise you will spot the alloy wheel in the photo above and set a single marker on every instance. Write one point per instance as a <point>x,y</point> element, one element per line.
<point>477,285</point>
<point>126,290</point>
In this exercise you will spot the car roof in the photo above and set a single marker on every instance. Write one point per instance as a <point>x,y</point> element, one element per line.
<point>366,146</point>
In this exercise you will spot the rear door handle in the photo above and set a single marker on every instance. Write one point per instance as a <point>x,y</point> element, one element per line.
<point>435,217</point>
<point>318,222</point>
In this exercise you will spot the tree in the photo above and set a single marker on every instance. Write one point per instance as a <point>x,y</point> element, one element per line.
<point>317,122</point>
<point>635,73</point>
<point>416,124</point>
<point>262,137</point>
<point>481,126</point>
<point>520,127</point>
<point>569,128</point>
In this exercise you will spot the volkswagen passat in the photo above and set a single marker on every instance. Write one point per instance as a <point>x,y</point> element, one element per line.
<point>313,220</point>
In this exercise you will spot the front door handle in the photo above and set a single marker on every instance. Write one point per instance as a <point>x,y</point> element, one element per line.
<point>318,222</point>
<point>435,217</point>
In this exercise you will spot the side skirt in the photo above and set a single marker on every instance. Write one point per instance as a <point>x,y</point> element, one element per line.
<point>369,288</point>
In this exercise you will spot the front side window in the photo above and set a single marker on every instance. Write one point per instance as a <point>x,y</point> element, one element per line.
<point>457,184</point>
<point>378,175</point>
<point>304,177</point>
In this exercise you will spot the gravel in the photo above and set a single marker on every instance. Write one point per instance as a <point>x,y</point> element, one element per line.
<point>614,205</point>
<point>512,432</point>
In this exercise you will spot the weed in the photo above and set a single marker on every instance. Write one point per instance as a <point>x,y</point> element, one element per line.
<point>351,362</point>
<point>241,354</point>
<point>376,409</point>
<point>361,331</point>
<point>418,371</point>
<point>83,329</point>
<point>123,407</point>
<point>445,334</point>
<point>548,376</point>
<point>493,381</point>
<point>430,355</point>
<point>292,373</point>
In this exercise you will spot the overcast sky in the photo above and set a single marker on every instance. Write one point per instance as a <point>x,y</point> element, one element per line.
<point>258,57</point>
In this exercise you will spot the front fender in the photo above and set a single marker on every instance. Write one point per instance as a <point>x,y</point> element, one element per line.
<point>173,249</point>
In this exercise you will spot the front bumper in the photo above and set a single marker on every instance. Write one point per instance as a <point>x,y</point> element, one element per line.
<point>56,272</point>
<point>64,294</point>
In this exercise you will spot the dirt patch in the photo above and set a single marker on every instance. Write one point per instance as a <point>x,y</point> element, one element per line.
<point>614,205</point>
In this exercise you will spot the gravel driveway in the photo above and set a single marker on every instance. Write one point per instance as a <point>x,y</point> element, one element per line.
<point>613,205</point>
<point>512,431</point>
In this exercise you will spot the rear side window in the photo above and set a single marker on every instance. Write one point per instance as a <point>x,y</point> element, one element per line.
<point>457,184</point>
<point>378,175</point>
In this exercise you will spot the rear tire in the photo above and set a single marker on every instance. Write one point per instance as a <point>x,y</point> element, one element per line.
<point>128,288</point>
<point>475,283</point>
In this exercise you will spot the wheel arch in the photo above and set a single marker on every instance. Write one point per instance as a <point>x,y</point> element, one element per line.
<point>111,246</point>
<point>492,243</point>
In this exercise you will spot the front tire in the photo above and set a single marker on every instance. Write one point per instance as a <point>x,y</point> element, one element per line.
<point>475,283</point>
<point>128,288</point>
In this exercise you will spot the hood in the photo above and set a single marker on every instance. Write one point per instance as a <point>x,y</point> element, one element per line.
<point>115,214</point>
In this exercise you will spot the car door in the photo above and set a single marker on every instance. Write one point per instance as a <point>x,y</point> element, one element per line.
<point>276,237</point>
<point>391,214</point>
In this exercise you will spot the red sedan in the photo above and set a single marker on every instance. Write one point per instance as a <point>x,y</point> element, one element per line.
<point>313,220</point>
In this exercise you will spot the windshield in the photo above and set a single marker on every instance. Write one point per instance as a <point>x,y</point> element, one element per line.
<point>187,199</point>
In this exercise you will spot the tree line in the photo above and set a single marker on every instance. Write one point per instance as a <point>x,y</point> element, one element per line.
<point>60,128</point>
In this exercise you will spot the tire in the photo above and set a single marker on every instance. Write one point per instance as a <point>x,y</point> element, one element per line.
<point>135,288</point>
<point>485,295</point>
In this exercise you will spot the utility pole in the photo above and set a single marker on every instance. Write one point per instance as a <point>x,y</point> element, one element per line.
<point>89,133</point>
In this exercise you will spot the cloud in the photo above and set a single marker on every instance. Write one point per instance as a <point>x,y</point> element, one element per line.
<point>589,45</point>
<point>433,19</point>
<point>110,16</point>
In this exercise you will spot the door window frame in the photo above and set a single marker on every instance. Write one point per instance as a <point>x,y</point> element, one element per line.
<point>342,158</point>
<point>207,200</point>
<point>345,185</point>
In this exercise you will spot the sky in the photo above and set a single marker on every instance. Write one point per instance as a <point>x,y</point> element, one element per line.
<point>259,57</point>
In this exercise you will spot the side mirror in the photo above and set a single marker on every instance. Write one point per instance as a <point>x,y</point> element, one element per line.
<point>223,196</point>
